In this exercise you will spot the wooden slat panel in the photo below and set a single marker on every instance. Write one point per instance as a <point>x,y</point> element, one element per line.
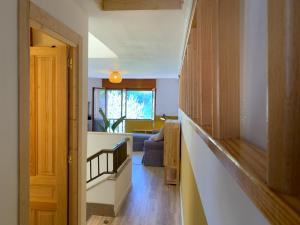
<point>111,5</point>
<point>284,96</point>
<point>194,71</point>
<point>207,60</point>
<point>189,56</point>
<point>184,85</point>
<point>227,81</point>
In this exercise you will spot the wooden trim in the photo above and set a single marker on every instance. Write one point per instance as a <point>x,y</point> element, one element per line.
<point>130,84</point>
<point>247,165</point>
<point>41,20</point>
<point>112,5</point>
<point>31,15</point>
<point>284,96</point>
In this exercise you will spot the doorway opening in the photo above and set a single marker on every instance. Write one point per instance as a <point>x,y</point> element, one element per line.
<point>50,164</point>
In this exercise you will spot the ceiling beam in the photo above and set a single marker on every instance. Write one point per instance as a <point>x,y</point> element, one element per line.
<point>112,5</point>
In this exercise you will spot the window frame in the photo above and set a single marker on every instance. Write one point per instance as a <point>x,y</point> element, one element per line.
<point>154,94</point>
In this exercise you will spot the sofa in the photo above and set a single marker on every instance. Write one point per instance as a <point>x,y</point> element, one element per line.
<point>138,141</point>
<point>154,150</point>
<point>153,153</point>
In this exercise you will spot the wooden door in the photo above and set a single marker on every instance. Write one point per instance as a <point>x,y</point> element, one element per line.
<point>48,136</point>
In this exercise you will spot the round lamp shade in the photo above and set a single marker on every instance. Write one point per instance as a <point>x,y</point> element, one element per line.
<point>115,77</point>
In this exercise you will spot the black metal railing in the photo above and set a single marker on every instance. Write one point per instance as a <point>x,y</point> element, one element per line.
<point>118,155</point>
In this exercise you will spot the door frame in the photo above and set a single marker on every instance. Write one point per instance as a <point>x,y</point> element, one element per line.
<point>29,15</point>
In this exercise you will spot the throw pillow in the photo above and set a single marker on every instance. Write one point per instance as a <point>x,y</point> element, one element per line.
<point>159,136</point>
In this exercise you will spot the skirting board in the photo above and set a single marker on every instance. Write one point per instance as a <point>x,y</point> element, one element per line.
<point>98,209</point>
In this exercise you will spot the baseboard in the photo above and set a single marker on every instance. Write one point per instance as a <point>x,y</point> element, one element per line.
<point>99,210</point>
<point>181,206</point>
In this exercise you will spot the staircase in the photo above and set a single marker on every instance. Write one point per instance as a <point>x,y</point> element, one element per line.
<point>108,179</point>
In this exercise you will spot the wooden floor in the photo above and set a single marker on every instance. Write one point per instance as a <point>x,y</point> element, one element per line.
<point>150,201</point>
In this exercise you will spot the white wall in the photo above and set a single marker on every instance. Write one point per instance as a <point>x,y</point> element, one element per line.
<point>76,20</point>
<point>8,113</point>
<point>223,200</point>
<point>111,192</point>
<point>167,97</point>
<point>254,73</point>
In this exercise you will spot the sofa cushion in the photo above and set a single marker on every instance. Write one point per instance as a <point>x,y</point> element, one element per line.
<point>158,137</point>
<point>138,141</point>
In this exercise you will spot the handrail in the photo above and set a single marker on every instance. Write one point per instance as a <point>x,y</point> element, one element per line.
<point>119,155</point>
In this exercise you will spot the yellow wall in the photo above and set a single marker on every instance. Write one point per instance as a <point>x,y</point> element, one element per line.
<point>133,125</point>
<point>193,213</point>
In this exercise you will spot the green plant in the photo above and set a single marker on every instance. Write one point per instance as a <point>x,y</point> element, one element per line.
<point>106,126</point>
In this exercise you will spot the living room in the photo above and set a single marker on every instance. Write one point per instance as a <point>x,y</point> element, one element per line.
<point>137,110</point>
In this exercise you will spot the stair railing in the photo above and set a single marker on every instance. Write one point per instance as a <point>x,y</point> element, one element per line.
<point>118,155</point>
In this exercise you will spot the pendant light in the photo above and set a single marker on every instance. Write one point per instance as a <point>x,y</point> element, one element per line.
<point>115,77</point>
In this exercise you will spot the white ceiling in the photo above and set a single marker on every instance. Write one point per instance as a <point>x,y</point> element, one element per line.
<point>148,44</point>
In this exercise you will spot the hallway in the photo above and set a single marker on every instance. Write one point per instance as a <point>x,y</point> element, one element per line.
<point>150,201</point>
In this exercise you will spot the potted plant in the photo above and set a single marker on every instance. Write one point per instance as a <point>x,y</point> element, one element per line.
<point>106,124</point>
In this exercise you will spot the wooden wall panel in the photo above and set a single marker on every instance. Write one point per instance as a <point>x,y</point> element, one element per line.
<point>112,5</point>
<point>131,84</point>
<point>284,96</point>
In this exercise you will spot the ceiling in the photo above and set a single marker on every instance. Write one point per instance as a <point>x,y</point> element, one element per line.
<point>145,43</point>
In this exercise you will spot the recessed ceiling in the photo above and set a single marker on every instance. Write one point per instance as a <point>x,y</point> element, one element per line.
<point>98,50</point>
<point>147,43</point>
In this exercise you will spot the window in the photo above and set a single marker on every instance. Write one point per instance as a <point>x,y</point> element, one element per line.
<point>139,104</point>
<point>115,103</point>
